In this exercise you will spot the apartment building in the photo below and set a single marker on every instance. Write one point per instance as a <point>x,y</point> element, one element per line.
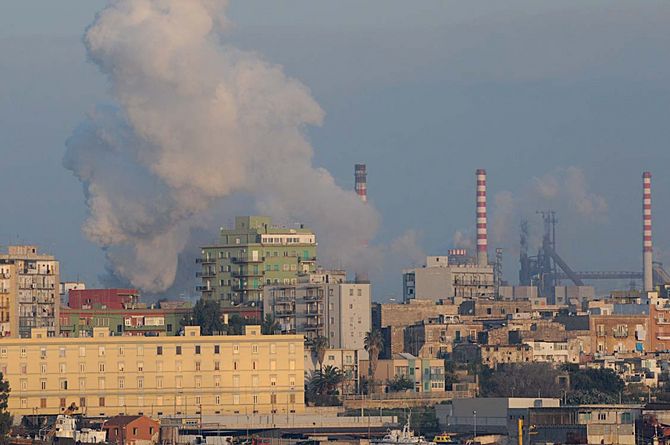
<point>444,278</point>
<point>9,297</point>
<point>437,337</point>
<point>37,301</point>
<point>107,375</point>
<point>251,255</point>
<point>619,333</point>
<point>567,351</point>
<point>334,309</point>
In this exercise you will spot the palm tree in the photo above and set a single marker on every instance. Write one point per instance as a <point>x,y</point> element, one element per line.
<point>270,325</point>
<point>322,385</point>
<point>374,342</point>
<point>319,346</point>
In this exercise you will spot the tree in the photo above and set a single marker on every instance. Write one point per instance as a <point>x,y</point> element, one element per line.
<point>374,342</point>
<point>207,315</point>
<point>319,346</point>
<point>5,418</point>
<point>521,380</point>
<point>400,383</point>
<point>270,325</point>
<point>322,385</point>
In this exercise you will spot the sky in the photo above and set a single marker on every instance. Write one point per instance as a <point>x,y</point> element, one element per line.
<point>564,103</point>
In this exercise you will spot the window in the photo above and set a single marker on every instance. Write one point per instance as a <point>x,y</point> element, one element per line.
<point>122,367</point>
<point>253,364</point>
<point>134,431</point>
<point>62,402</point>
<point>291,365</point>
<point>159,366</point>
<point>217,366</point>
<point>254,381</point>
<point>43,368</point>
<point>101,351</point>
<point>254,349</point>
<point>236,399</point>
<point>3,352</point>
<point>159,350</point>
<point>273,380</point>
<point>61,368</point>
<point>291,348</point>
<point>273,348</point>
<point>140,366</point>
<point>122,382</point>
<point>101,401</point>
<point>273,365</point>
<point>236,349</point>
<point>217,381</point>
<point>159,382</point>
<point>82,383</point>
<point>178,350</point>
<point>43,402</point>
<point>236,381</point>
<point>43,384</point>
<point>24,368</point>
<point>61,352</point>
<point>140,350</point>
<point>178,381</point>
<point>217,349</point>
<point>82,367</point>
<point>23,352</point>
<point>198,381</point>
<point>197,366</point>
<point>197,349</point>
<point>43,352</point>
<point>101,367</point>
<point>140,382</point>
<point>101,383</point>
<point>217,400</point>
<point>602,416</point>
<point>178,366</point>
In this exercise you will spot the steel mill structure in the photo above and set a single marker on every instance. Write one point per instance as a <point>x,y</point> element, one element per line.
<point>482,238</point>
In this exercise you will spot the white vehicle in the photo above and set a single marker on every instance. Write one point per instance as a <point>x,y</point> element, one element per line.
<point>402,437</point>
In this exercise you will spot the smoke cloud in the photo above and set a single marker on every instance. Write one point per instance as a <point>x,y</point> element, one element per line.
<point>194,122</point>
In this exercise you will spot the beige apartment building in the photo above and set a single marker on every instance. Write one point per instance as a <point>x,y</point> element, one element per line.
<point>36,303</point>
<point>107,375</point>
<point>9,291</point>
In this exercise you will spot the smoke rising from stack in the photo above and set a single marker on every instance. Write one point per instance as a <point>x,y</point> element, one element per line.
<point>195,122</point>
<point>647,247</point>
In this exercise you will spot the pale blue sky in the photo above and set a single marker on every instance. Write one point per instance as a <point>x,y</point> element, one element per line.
<point>423,92</point>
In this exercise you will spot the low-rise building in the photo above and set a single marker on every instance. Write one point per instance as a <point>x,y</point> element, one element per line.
<point>619,333</point>
<point>427,374</point>
<point>436,337</point>
<point>568,351</point>
<point>492,356</point>
<point>131,430</point>
<point>107,375</point>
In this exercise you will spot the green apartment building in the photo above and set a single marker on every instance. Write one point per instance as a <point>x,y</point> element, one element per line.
<point>251,255</point>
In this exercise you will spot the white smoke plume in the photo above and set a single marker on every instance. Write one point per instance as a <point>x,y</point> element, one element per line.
<point>194,122</point>
<point>565,190</point>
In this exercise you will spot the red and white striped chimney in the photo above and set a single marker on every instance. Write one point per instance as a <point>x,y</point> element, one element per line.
<point>647,248</point>
<point>361,181</point>
<point>482,237</point>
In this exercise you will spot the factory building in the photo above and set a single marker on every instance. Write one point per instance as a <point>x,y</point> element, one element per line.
<point>252,255</point>
<point>29,291</point>
<point>324,304</point>
<point>107,375</point>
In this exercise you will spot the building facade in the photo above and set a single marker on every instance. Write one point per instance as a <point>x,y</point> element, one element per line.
<point>254,254</point>
<point>106,375</point>
<point>37,302</point>
<point>337,310</point>
<point>447,277</point>
<point>427,374</point>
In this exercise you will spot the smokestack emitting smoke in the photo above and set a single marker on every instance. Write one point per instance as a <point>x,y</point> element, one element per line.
<point>194,122</point>
<point>482,238</point>
<point>361,184</point>
<point>647,248</point>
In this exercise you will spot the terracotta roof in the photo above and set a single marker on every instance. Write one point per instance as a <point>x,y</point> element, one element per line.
<point>120,420</point>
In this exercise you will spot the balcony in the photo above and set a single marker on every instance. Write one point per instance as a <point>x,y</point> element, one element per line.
<point>313,297</point>
<point>205,274</point>
<point>247,273</point>
<point>284,312</point>
<point>313,326</point>
<point>307,260</point>
<point>203,288</point>
<point>245,288</point>
<point>206,260</point>
<point>246,260</point>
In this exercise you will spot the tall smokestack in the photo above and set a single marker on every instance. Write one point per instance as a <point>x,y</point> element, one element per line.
<point>646,233</point>
<point>361,175</point>
<point>482,237</point>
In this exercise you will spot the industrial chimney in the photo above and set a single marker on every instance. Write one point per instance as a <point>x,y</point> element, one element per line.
<point>647,248</point>
<point>482,237</point>
<point>361,184</point>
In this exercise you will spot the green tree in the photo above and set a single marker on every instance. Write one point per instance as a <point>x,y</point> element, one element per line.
<point>521,380</point>
<point>374,342</point>
<point>5,417</point>
<point>319,346</point>
<point>399,383</point>
<point>322,385</point>
<point>207,315</point>
<point>270,325</point>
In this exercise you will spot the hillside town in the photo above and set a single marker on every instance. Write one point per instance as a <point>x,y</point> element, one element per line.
<point>279,348</point>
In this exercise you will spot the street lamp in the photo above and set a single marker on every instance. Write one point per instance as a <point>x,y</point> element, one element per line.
<point>474,419</point>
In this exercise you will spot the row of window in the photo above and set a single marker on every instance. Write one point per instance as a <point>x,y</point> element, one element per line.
<point>121,382</point>
<point>102,402</point>
<point>23,352</point>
